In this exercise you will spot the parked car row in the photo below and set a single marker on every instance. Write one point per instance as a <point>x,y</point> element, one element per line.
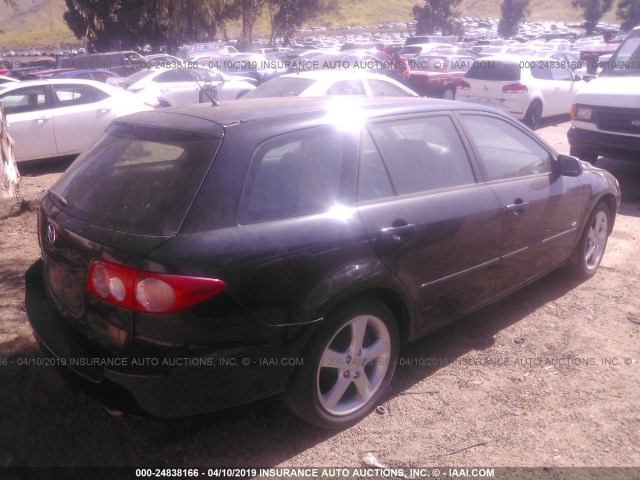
<point>528,88</point>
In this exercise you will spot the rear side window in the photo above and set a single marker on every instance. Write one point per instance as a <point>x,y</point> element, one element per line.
<point>69,95</point>
<point>143,179</point>
<point>295,174</point>
<point>173,75</point>
<point>491,70</point>
<point>540,71</point>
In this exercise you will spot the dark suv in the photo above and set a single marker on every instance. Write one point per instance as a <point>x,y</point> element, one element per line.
<point>202,257</point>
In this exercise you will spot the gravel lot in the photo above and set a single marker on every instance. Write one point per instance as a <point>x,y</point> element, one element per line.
<point>547,377</point>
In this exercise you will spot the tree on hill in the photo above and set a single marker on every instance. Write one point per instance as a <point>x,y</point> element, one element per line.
<point>287,16</point>
<point>592,11</point>
<point>513,12</point>
<point>437,16</point>
<point>629,13</point>
<point>249,11</point>
<point>130,24</point>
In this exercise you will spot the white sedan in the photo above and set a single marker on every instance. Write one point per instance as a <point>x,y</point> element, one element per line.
<point>178,87</point>
<point>56,117</point>
<point>318,83</point>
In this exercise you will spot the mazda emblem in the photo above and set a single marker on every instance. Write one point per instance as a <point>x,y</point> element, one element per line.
<point>51,233</point>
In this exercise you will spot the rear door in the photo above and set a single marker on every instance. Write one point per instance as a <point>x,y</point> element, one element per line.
<point>428,218</point>
<point>81,114</point>
<point>541,208</point>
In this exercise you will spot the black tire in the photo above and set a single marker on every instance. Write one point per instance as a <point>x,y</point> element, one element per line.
<point>449,93</point>
<point>590,249</point>
<point>345,361</point>
<point>534,115</point>
<point>592,158</point>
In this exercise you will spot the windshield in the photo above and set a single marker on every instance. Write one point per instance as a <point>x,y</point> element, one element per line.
<point>626,60</point>
<point>137,179</point>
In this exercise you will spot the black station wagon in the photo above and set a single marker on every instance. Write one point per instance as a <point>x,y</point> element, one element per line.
<point>203,257</point>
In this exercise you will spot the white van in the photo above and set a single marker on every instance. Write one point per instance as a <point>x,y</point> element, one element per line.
<point>605,118</point>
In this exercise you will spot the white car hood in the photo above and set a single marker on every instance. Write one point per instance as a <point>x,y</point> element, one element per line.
<point>611,91</point>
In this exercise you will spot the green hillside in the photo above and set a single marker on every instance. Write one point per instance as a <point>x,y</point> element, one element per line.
<point>39,22</point>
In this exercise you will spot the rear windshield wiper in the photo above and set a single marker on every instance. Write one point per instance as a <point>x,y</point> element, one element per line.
<point>58,197</point>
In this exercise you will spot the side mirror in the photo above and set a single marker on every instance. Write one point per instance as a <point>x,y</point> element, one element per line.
<point>577,78</point>
<point>569,166</point>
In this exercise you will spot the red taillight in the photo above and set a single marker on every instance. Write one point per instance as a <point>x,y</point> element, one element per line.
<point>515,88</point>
<point>157,293</point>
<point>112,283</point>
<point>464,85</point>
<point>147,291</point>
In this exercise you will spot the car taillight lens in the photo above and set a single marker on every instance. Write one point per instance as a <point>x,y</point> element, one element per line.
<point>515,88</point>
<point>464,85</point>
<point>148,291</point>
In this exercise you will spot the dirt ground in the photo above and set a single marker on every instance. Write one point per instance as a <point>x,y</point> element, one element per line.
<point>548,377</point>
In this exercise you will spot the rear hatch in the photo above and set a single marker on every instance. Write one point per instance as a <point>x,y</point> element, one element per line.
<point>117,202</point>
<point>486,80</point>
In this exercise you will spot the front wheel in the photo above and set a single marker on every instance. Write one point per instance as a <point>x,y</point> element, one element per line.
<point>348,366</point>
<point>590,249</point>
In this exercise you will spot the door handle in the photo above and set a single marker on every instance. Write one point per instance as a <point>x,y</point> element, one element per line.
<point>518,206</point>
<point>104,110</point>
<point>42,119</point>
<point>398,233</point>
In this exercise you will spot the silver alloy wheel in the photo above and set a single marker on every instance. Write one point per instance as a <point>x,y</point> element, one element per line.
<point>596,241</point>
<point>353,365</point>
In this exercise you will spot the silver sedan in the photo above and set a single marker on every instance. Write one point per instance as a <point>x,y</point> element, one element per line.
<point>187,85</point>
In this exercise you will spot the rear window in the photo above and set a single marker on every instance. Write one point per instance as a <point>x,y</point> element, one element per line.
<point>134,77</point>
<point>281,87</point>
<point>491,70</point>
<point>138,179</point>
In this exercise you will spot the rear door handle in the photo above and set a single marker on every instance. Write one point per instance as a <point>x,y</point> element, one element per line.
<point>42,119</point>
<point>518,206</point>
<point>398,233</point>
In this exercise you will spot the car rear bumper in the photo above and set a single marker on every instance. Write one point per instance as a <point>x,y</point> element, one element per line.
<point>623,147</point>
<point>515,106</point>
<point>165,384</point>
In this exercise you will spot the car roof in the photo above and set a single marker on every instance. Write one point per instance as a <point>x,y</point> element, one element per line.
<point>244,111</point>
<point>338,74</point>
<point>56,81</point>
<point>510,58</point>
